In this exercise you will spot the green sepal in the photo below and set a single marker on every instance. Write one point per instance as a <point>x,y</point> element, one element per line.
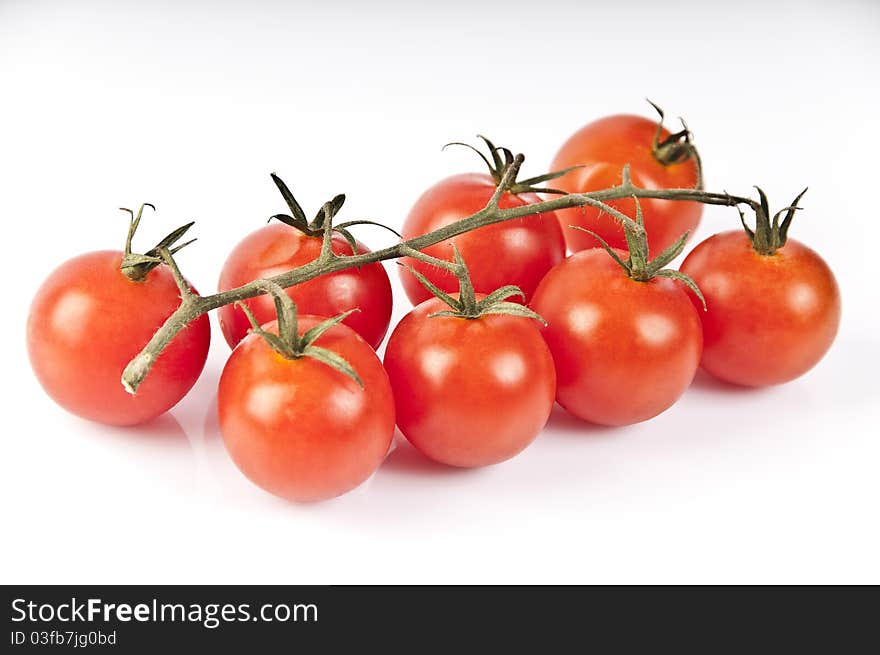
<point>640,267</point>
<point>604,244</point>
<point>769,234</point>
<point>314,333</point>
<point>298,214</point>
<point>329,210</point>
<point>349,238</point>
<point>273,340</point>
<point>501,294</point>
<point>467,306</point>
<point>466,294</point>
<point>342,229</point>
<point>783,229</point>
<point>334,361</point>
<point>677,147</point>
<point>136,266</point>
<point>323,221</point>
<point>432,288</point>
<point>348,224</point>
<point>302,226</point>
<point>288,342</point>
<point>496,157</point>
<point>637,244</point>
<point>665,258</point>
<point>502,159</point>
<point>512,309</point>
<point>686,279</point>
<point>546,177</point>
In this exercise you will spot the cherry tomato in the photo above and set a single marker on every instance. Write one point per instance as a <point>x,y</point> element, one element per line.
<point>603,148</point>
<point>469,392</point>
<point>278,248</point>
<point>519,251</point>
<point>624,350</point>
<point>770,318</point>
<point>299,428</point>
<point>88,320</point>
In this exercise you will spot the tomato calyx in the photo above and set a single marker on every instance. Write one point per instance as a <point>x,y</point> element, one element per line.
<point>288,342</point>
<point>676,148</point>
<point>503,159</point>
<point>135,266</point>
<point>323,221</point>
<point>637,264</point>
<point>769,234</point>
<point>467,305</point>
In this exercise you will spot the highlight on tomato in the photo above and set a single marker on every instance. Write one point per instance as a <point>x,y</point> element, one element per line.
<point>305,408</point>
<point>96,312</point>
<point>773,304</point>
<point>657,159</point>
<point>473,380</point>
<point>625,338</point>
<point>294,242</point>
<point>518,251</point>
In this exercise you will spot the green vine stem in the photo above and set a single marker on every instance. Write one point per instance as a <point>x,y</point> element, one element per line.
<point>193,306</point>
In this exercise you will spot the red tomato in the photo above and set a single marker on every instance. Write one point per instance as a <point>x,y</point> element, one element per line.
<point>278,248</point>
<point>624,350</point>
<point>88,320</point>
<point>770,318</point>
<point>519,251</point>
<point>299,428</point>
<point>603,148</point>
<point>469,392</point>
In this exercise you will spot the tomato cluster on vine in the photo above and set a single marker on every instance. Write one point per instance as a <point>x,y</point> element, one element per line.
<point>504,323</point>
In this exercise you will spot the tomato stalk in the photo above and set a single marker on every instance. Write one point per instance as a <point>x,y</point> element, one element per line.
<point>502,160</point>
<point>677,147</point>
<point>467,305</point>
<point>637,264</point>
<point>135,266</point>
<point>139,367</point>
<point>322,225</point>
<point>769,234</point>
<point>288,342</point>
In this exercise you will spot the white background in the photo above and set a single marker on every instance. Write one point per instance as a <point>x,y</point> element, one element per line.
<point>191,105</point>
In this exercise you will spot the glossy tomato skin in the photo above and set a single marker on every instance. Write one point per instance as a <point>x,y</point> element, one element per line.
<point>88,320</point>
<point>624,350</point>
<point>770,319</point>
<point>469,392</point>
<point>603,147</point>
<point>298,428</point>
<point>519,251</point>
<point>278,248</point>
